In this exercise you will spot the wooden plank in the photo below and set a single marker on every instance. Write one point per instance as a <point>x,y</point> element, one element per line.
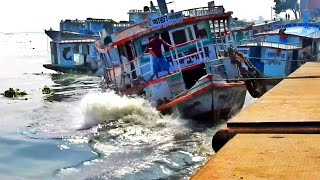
<point>292,105</point>
<point>265,156</point>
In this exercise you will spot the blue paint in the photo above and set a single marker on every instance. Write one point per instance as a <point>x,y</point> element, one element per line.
<point>294,64</point>
<point>306,16</point>
<point>256,52</point>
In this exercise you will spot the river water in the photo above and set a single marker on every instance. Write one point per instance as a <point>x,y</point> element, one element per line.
<point>78,132</point>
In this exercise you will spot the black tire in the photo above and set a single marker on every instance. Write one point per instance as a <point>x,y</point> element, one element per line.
<point>256,88</point>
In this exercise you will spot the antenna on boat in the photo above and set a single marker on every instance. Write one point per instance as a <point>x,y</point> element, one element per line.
<point>152,7</point>
<point>163,6</point>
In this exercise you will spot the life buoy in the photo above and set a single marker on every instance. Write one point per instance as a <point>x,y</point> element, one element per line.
<point>65,52</point>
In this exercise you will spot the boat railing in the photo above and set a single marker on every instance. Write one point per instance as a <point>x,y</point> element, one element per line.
<point>131,71</point>
<point>78,41</point>
<point>199,51</point>
<point>278,59</point>
<point>100,20</point>
<point>203,11</point>
<point>136,63</point>
<point>122,24</point>
<point>141,11</point>
<point>303,25</point>
<point>223,69</point>
<point>315,34</point>
<point>142,66</point>
<point>72,21</point>
<point>279,45</point>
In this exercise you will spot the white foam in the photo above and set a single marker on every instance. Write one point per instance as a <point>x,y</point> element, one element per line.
<point>97,108</point>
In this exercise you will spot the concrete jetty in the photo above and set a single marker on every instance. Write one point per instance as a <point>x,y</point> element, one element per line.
<point>277,137</point>
<point>293,106</point>
<point>265,156</point>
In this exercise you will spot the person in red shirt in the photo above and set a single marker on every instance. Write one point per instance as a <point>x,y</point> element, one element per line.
<point>159,61</point>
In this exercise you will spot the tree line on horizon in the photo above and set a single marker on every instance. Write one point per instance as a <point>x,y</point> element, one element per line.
<point>284,5</point>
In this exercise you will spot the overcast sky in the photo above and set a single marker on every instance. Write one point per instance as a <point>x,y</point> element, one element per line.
<point>37,15</point>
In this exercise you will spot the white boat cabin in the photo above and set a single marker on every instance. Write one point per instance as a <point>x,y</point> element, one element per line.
<point>69,54</point>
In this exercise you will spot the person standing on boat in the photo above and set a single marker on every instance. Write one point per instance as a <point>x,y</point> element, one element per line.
<point>159,61</point>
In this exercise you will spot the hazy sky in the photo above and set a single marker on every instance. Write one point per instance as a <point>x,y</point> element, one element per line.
<point>37,15</point>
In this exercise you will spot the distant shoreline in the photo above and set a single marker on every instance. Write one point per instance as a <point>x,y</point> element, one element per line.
<point>20,32</point>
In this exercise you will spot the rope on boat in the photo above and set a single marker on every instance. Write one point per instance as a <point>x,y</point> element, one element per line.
<point>286,60</point>
<point>255,87</point>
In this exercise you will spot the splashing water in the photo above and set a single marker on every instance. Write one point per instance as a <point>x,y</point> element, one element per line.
<point>126,138</point>
<point>134,139</point>
<point>97,108</point>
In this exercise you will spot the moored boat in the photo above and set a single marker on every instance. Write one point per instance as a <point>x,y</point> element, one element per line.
<point>280,52</point>
<point>78,56</point>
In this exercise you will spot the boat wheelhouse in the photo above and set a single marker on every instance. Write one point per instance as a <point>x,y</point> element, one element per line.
<point>248,33</point>
<point>200,84</point>
<point>73,55</point>
<point>280,52</point>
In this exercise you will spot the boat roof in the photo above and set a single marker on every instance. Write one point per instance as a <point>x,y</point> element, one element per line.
<point>239,29</point>
<point>76,41</point>
<point>136,31</point>
<point>263,24</point>
<point>301,31</point>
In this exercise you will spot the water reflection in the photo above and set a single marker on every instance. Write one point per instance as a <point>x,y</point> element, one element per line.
<point>68,87</point>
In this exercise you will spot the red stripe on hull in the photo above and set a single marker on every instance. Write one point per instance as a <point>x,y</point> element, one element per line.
<point>196,94</point>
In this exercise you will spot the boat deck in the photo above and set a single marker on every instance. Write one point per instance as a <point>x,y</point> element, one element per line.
<point>277,137</point>
<point>263,156</point>
<point>291,106</point>
<point>273,45</point>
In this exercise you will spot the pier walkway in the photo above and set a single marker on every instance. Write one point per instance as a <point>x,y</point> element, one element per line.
<point>277,137</point>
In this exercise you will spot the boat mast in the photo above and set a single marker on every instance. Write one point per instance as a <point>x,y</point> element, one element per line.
<point>163,7</point>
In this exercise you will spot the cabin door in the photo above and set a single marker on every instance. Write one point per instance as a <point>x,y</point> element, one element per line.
<point>255,58</point>
<point>166,37</point>
<point>54,54</point>
<point>295,64</point>
<point>131,54</point>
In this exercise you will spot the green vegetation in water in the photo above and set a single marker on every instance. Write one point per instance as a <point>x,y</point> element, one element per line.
<point>14,93</point>
<point>46,90</point>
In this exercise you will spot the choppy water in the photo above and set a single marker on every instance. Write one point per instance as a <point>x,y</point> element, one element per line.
<point>80,133</point>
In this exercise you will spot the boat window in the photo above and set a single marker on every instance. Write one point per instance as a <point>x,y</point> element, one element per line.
<point>190,35</point>
<point>144,43</point>
<point>84,49</point>
<point>179,36</point>
<point>131,54</point>
<point>200,30</point>
<point>166,37</point>
<point>76,49</point>
<point>306,43</point>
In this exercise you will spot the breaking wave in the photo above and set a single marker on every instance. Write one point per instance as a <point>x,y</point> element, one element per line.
<point>134,140</point>
<point>100,108</point>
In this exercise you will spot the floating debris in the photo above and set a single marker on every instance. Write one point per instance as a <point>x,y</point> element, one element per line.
<point>14,93</point>
<point>46,90</point>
